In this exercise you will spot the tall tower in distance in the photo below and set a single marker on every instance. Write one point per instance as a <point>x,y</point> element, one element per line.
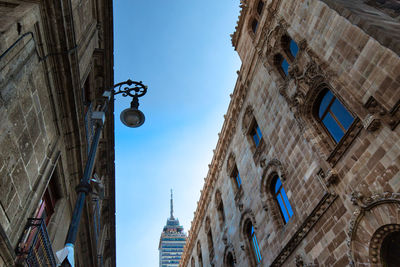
<point>172,241</point>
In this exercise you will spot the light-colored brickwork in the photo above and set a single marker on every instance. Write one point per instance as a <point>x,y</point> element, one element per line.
<point>56,59</point>
<point>344,194</point>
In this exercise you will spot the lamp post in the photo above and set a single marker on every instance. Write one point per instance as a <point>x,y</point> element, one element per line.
<point>131,117</point>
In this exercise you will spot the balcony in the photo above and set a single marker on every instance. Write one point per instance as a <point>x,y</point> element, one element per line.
<point>34,245</point>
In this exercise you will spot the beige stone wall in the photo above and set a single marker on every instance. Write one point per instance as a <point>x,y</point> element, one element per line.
<point>341,194</point>
<point>48,51</point>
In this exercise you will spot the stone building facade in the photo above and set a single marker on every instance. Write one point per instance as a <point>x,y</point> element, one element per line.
<point>56,60</point>
<point>306,168</point>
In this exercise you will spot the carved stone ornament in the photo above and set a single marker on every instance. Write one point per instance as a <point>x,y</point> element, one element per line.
<point>371,122</point>
<point>299,261</point>
<point>273,166</point>
<point>332,177</point>
<point>229,249</point>
<point>367,207</point>
<point>247,119</point>
<point>378,114</point>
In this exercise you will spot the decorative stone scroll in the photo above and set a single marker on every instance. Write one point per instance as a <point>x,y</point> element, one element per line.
<point>331,177</point>
<point>305,227</point>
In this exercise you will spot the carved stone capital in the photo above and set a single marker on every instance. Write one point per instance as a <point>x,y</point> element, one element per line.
<point>371,123</point>
<point>332,177</point>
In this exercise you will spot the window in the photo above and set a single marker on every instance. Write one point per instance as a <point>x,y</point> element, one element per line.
<point>49,199</point>
<point>199,254</point>
<point>237,180</point>
<point>221,212</point>
<point>335,118</point>
<point>283,61</point>
<point>210,244</point>
<point>281,64</point>
<point>209,239</point>
<point>260,7</point>
<point>220,208</point>
<point>282,199</point>
<point>229,260</point>
<point>289,46</point>
<point>251,235</point>
<point>390,250</point>
<point>256,134</point>
<point>254,25</point>
<point>192,262</point>
<point>293,48</point>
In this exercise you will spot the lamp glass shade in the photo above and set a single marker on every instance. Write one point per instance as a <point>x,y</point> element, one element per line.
<point>132,117</point>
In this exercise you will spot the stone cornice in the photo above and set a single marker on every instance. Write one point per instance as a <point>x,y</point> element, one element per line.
<point>238,29</point>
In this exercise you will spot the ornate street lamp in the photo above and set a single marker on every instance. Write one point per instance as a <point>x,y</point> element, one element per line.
<point>131,117</point>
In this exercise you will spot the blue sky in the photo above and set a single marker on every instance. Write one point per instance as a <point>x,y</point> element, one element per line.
<point>182,50</point>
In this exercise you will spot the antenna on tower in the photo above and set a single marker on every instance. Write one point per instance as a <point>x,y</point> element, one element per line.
<point>172,207</point>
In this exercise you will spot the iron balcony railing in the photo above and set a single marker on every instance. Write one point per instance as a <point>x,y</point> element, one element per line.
<point>35,246</point>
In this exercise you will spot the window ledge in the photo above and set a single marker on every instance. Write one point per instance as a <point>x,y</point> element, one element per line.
<point>345,142</point>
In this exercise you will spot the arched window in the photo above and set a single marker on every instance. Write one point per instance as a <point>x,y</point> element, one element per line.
<point>390,250</point>
<point>334,117</point>
<point>282,199</point>
<point>192,264</point>
<point>229,260</point>
<point>252,239</point>
<point>254,25</point>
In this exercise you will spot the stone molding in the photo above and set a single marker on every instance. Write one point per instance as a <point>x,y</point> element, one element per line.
<point>229,249</point>
<point>377,240</point>
<point>305,227</point>
<point>239,24</point>
<point>363,205</point>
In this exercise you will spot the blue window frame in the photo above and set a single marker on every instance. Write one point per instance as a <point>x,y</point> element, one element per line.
<point>256,134</point>
<point>333,115</point>
<point>254,243</point>
<point>282,199</point>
